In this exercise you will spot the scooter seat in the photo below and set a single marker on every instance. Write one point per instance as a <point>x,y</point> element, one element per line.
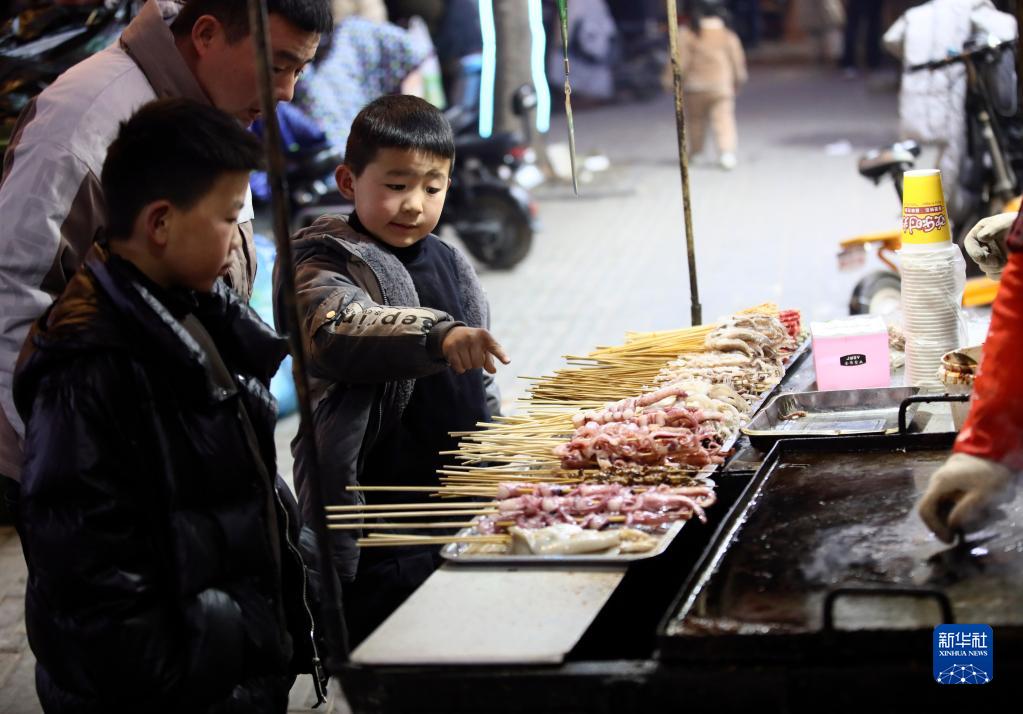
<point>900,156</point>
<point>491,150</point>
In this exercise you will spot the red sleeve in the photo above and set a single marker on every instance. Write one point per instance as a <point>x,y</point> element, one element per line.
<point>994,428</point>
<point>1015,240</point>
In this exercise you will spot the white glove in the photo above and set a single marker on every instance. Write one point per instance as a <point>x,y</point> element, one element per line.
<point>985,243</point>
<point>960,492</point>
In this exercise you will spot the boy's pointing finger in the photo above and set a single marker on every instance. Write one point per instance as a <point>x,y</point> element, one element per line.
<point>488,364</point>
<point>498,351</point>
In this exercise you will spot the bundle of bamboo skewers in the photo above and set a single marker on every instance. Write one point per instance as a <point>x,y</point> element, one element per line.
<point>520,448</point>
<point>607,374</point>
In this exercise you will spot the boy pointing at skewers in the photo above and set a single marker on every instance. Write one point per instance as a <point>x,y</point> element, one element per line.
<point>399,351</point>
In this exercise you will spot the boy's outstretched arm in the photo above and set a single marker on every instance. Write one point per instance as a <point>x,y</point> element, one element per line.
<point>354,339</point>
<point>104,604</point>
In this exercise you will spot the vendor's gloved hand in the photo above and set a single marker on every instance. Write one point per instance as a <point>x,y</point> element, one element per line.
<point>960,493</point>
<point>985,243</point>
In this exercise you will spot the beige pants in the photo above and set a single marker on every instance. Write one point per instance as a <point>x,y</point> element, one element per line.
<point>719,111</point>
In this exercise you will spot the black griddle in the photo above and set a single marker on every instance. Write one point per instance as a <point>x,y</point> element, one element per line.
<point>825,557</point>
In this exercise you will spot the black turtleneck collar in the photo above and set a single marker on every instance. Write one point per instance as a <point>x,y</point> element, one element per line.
<point>405,255</point>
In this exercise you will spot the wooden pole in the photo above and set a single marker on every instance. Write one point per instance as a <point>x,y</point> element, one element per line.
<point>695,309</point>
<point>331,618</point>
<point>1019,54</point>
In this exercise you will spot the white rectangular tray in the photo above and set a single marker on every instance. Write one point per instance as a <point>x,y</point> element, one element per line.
<point>454,552</point>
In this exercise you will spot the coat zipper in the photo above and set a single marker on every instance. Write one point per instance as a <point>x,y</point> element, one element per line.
<point>317,663</point>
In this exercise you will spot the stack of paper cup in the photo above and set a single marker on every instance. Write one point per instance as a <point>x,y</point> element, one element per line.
<point>933,278</point>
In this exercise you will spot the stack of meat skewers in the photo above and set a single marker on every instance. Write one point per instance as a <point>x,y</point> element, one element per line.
<point>662,409</point>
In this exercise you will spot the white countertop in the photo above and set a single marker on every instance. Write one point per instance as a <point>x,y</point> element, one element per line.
<point>492,615</point>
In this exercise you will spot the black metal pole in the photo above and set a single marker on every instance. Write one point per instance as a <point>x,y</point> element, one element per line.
<point>337,650</point>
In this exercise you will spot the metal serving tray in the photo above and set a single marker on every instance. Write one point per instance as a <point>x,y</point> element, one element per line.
<point>455,552</point>
<point>833,413</point>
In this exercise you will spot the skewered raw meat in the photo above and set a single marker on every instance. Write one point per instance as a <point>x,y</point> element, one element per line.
<point>792,321</point>
<point>636,475</point>
<point>594,506</point>
<point>568,539</point>
<point>745,351</point>
<point>756,336</point>
<point>627,409</point>
<point>682,424</point>
<point>619,444</point>
<point>748,376</point>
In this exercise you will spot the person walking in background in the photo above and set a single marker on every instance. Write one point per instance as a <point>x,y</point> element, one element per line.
<point>863,17</point>
<point>713,69</point>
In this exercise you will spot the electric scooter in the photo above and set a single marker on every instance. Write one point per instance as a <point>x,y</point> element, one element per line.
<point>996,189</point>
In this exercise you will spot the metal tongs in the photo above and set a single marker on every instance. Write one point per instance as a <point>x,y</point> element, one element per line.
<point>966,552</point>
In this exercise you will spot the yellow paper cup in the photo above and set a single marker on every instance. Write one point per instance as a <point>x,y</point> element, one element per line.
<point>924,217</point>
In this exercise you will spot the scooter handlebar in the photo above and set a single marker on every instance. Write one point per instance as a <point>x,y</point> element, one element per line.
<point>983,52</point>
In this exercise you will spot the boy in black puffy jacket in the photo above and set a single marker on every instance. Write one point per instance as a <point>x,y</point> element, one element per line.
<point>164,570</point>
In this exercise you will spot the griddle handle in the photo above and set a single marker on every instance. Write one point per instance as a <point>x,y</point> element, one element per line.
<point>924,399</point>
<point>947,617</point>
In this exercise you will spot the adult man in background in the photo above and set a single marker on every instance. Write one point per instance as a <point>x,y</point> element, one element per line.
<point>51,203</point>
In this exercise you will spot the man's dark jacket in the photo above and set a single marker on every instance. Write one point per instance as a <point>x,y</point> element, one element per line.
<point>164,574</point>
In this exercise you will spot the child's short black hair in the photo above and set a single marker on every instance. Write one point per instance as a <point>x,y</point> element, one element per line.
<point>710,8</point>
<point>398,122</point>
<point>306,15</point>
<point>174,150</point>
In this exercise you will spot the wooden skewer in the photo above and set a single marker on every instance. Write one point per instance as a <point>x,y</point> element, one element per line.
<point>370,526</point>
<point>390,488</point>
<point>492,476</point>
<point>402,507</point>
<point>412,514</point>
<point>431,540</point>
<point>468,491</point>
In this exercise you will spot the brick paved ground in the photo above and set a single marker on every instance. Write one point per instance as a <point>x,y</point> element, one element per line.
<point>613,260</point>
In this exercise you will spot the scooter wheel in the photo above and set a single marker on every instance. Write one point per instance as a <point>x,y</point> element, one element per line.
<point>879,293</point>
<point>497,234</point>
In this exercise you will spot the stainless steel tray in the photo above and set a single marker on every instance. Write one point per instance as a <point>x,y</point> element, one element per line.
<point>833,413</point>
<point>455,552</point>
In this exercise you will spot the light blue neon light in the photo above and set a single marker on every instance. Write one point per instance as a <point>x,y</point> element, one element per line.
<point>537,61</point>
<point>489,68</point>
